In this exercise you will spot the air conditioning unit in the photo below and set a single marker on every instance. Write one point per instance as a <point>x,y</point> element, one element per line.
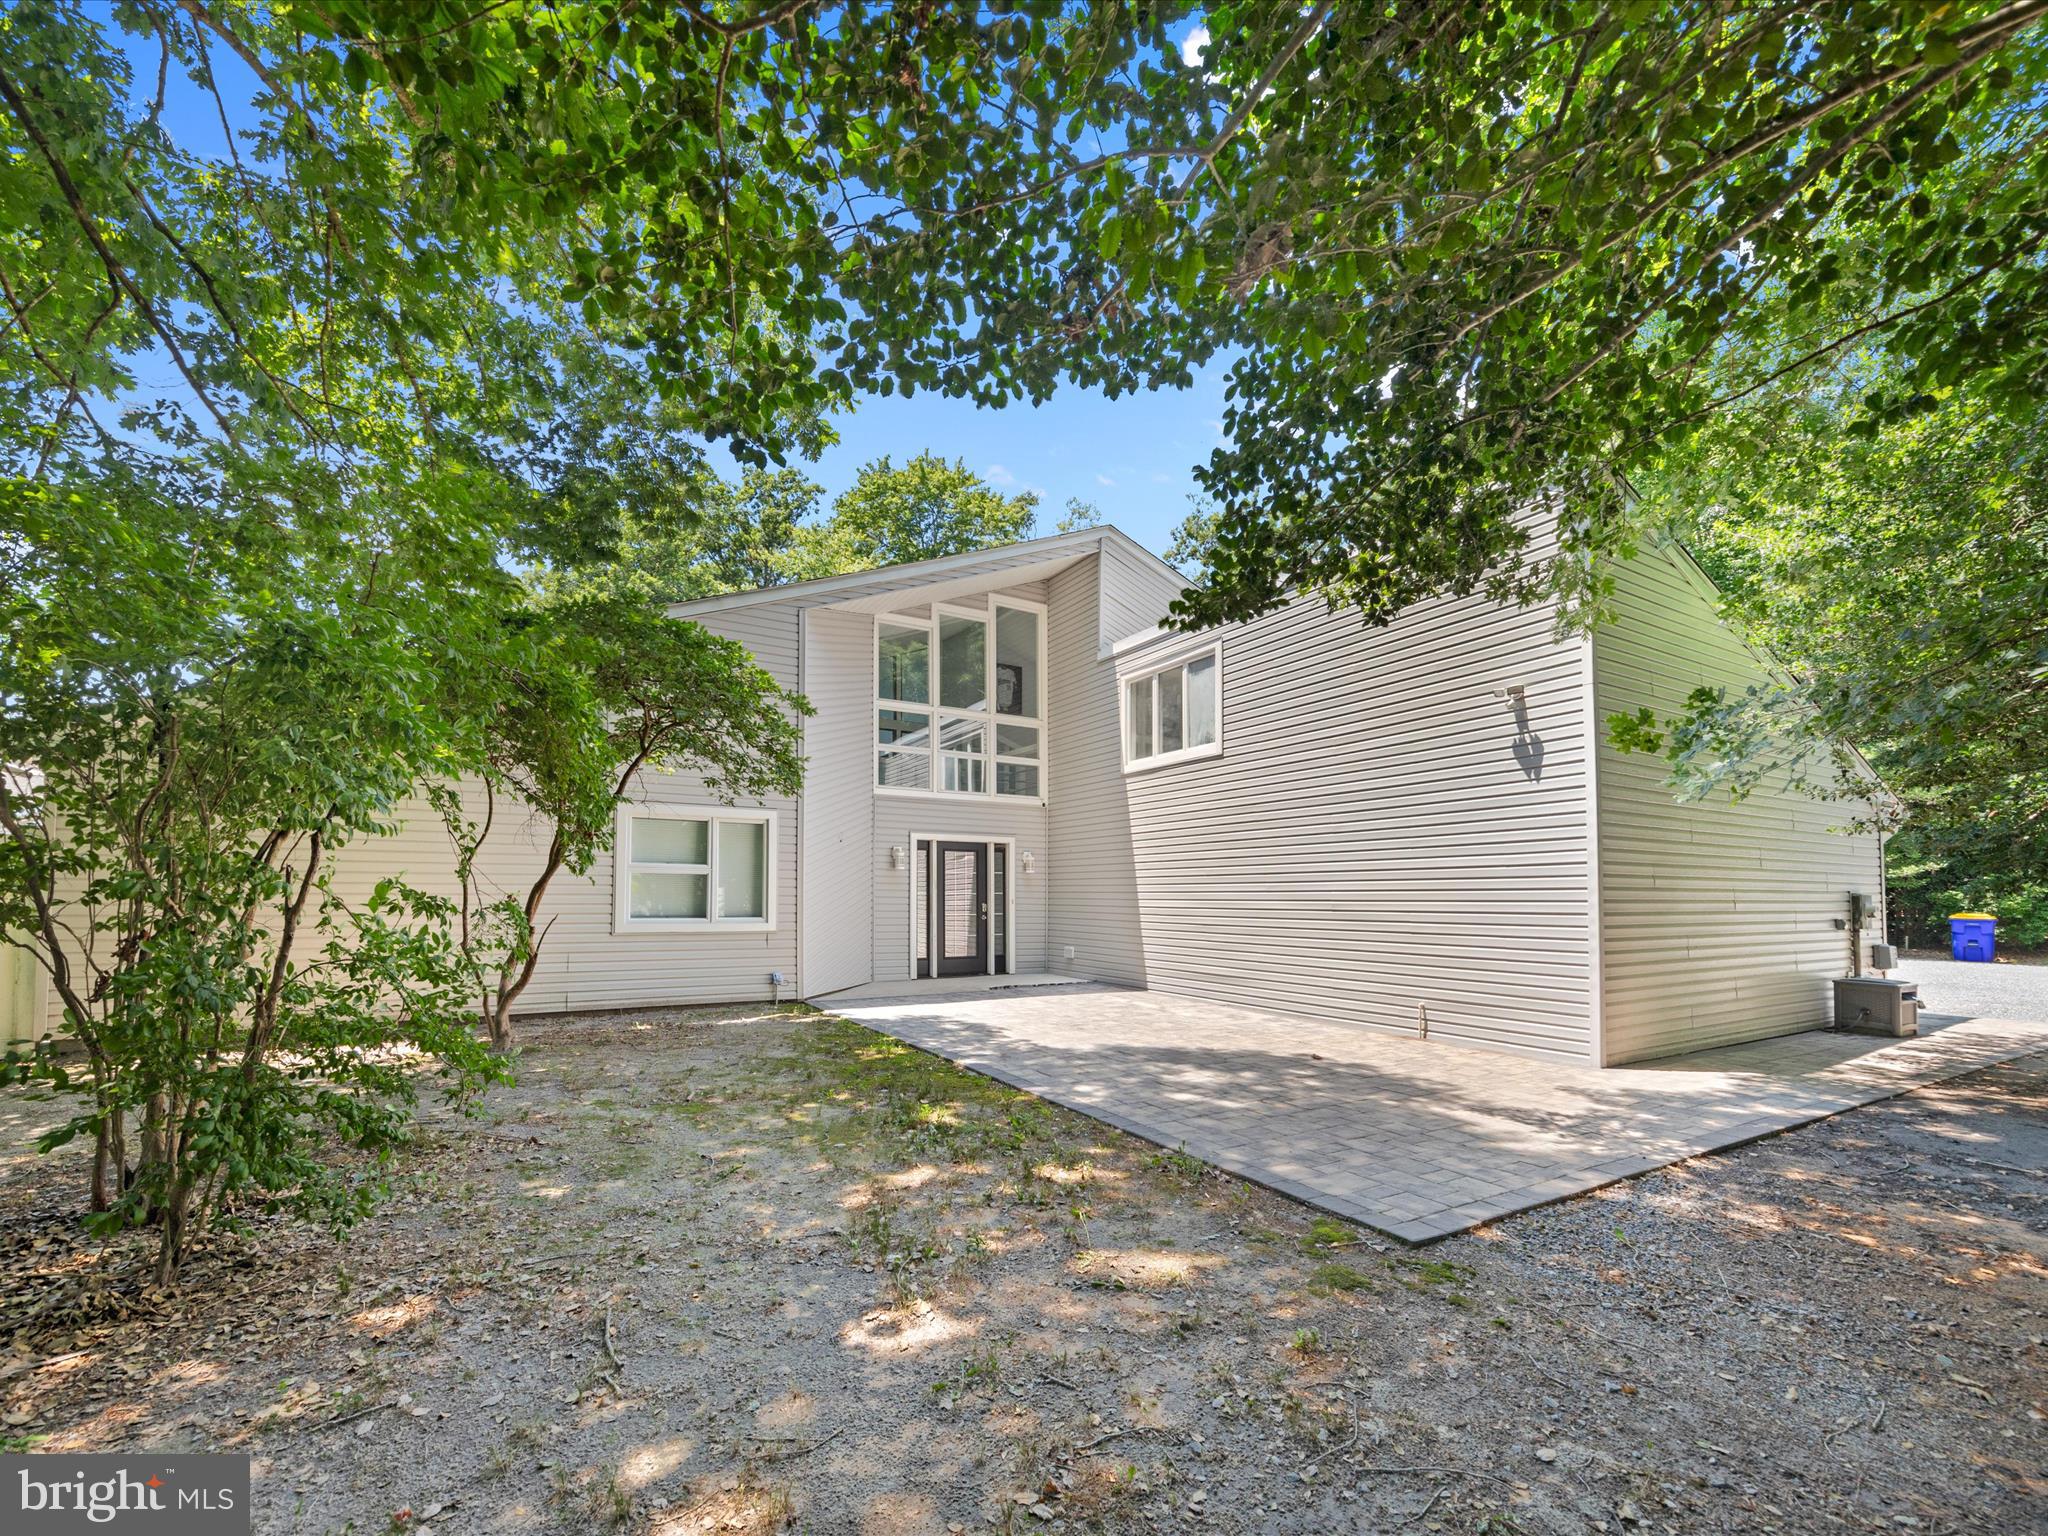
<point>1877,1005</point>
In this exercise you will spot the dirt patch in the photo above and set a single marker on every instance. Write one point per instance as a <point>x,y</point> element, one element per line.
<point>764,1271</point>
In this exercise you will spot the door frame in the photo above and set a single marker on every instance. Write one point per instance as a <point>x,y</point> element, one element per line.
<point>922,842</point>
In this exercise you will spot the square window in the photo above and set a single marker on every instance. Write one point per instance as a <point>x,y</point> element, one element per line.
<point>904,770</point>
<point>900,728</point>
<point>964,775</point>
<point>694,870</point>
<point>1175,712</point>
<point>1016,740</point>
<point>956,735</point>
<point>1017,779</point>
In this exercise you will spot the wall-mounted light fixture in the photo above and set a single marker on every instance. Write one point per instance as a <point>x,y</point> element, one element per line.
<point>1027,863</point>
<point>896,857</point>
<point>1514,696</point>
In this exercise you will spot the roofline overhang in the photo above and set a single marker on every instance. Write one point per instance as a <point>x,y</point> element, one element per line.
<point>822,589</point>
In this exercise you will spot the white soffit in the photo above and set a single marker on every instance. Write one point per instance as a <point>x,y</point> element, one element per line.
<point>906,594</point>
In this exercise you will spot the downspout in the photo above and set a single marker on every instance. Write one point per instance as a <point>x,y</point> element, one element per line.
<point>803,727</point>
<point>1596,955</point>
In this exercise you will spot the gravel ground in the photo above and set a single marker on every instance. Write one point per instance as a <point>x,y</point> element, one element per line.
<point>1999,990</point>
<point>753,1274</point>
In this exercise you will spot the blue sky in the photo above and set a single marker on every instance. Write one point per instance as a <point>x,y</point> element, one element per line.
<point>1132,456</point>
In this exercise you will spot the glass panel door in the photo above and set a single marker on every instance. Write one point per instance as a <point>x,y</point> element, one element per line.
<point>962,901</point>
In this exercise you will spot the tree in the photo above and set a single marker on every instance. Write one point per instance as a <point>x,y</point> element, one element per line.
<point>1079,514</point>
<point>925,509</point>
<point>200,707</point>
<point>1193,537</point>
<point>595,692</point>
<point>235,604</point>
<point>1443,301</point>
<point>722,537</point>
<point>764,531</point>
<point>1900,574</point>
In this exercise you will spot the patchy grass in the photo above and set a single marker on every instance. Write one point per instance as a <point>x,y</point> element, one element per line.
<point>1341,1279</point>
<point>765,1271</point>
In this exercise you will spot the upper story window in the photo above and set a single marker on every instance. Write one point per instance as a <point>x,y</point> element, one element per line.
<point>959,701</point>
<point>1174,713</point>
<point>686,866</point>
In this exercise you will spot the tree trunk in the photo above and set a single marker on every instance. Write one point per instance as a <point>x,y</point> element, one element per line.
<point>102,1158</point>
<point>156,1149</point>
<point>498,1011</point>
<point>497,1023</point>
<point>109,1156</point>
<point>170,1248</point>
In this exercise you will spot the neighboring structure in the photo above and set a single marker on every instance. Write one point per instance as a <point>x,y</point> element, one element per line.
<point>1414,828</point>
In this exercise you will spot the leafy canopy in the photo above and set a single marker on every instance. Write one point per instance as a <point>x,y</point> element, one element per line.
<point>1488,252</point>
<point>920,510</point>
<point>1462,254</point>
<point>1901,574</point>
<point>203,702</point>
<point>765,530</point>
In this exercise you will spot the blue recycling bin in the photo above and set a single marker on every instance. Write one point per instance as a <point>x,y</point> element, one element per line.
<point>1973,936</point>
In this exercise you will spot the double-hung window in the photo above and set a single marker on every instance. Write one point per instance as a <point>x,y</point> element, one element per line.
<point>694,867</point>
<point>1174,713</point>
<point>960,699</point>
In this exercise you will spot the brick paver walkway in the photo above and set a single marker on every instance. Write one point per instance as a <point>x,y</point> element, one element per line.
<point>1417,1139</point>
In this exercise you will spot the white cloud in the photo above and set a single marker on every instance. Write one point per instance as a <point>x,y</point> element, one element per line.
<point>1161,477</point>
<point>1193,45</point>
<point>1104,480</point>
<point>995,474</point>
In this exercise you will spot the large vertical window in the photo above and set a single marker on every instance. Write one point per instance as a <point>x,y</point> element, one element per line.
<point>691,867</point>
<point>1174,713</point>
<point>959,701</point>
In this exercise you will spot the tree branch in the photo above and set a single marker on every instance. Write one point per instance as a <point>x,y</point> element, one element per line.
<point>117,274</point>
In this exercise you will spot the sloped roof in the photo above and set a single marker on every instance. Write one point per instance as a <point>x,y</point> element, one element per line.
<point>1055,551</point>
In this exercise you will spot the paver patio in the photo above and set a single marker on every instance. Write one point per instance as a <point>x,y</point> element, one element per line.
<point>1416,1139</point>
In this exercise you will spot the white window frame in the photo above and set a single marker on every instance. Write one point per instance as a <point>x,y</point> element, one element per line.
<point>922,913</point>
<point>623,868</point>
<point>988,719</point>
<point>1158,759</point>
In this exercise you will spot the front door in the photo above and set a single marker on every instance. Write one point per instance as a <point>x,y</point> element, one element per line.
<point>960,908</point>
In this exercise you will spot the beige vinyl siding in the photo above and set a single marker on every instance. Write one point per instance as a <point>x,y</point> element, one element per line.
<point>22,1015</point>
<point>968,819</point>
<point>1717,919</point>
<point>1376,837</point>
<point>584,964</point>
<point>837,901</point>
<point>1092,869</point>
<point>1134,591</point>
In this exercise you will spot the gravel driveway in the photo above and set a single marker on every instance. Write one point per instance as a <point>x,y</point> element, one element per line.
<point>1995,991</point>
